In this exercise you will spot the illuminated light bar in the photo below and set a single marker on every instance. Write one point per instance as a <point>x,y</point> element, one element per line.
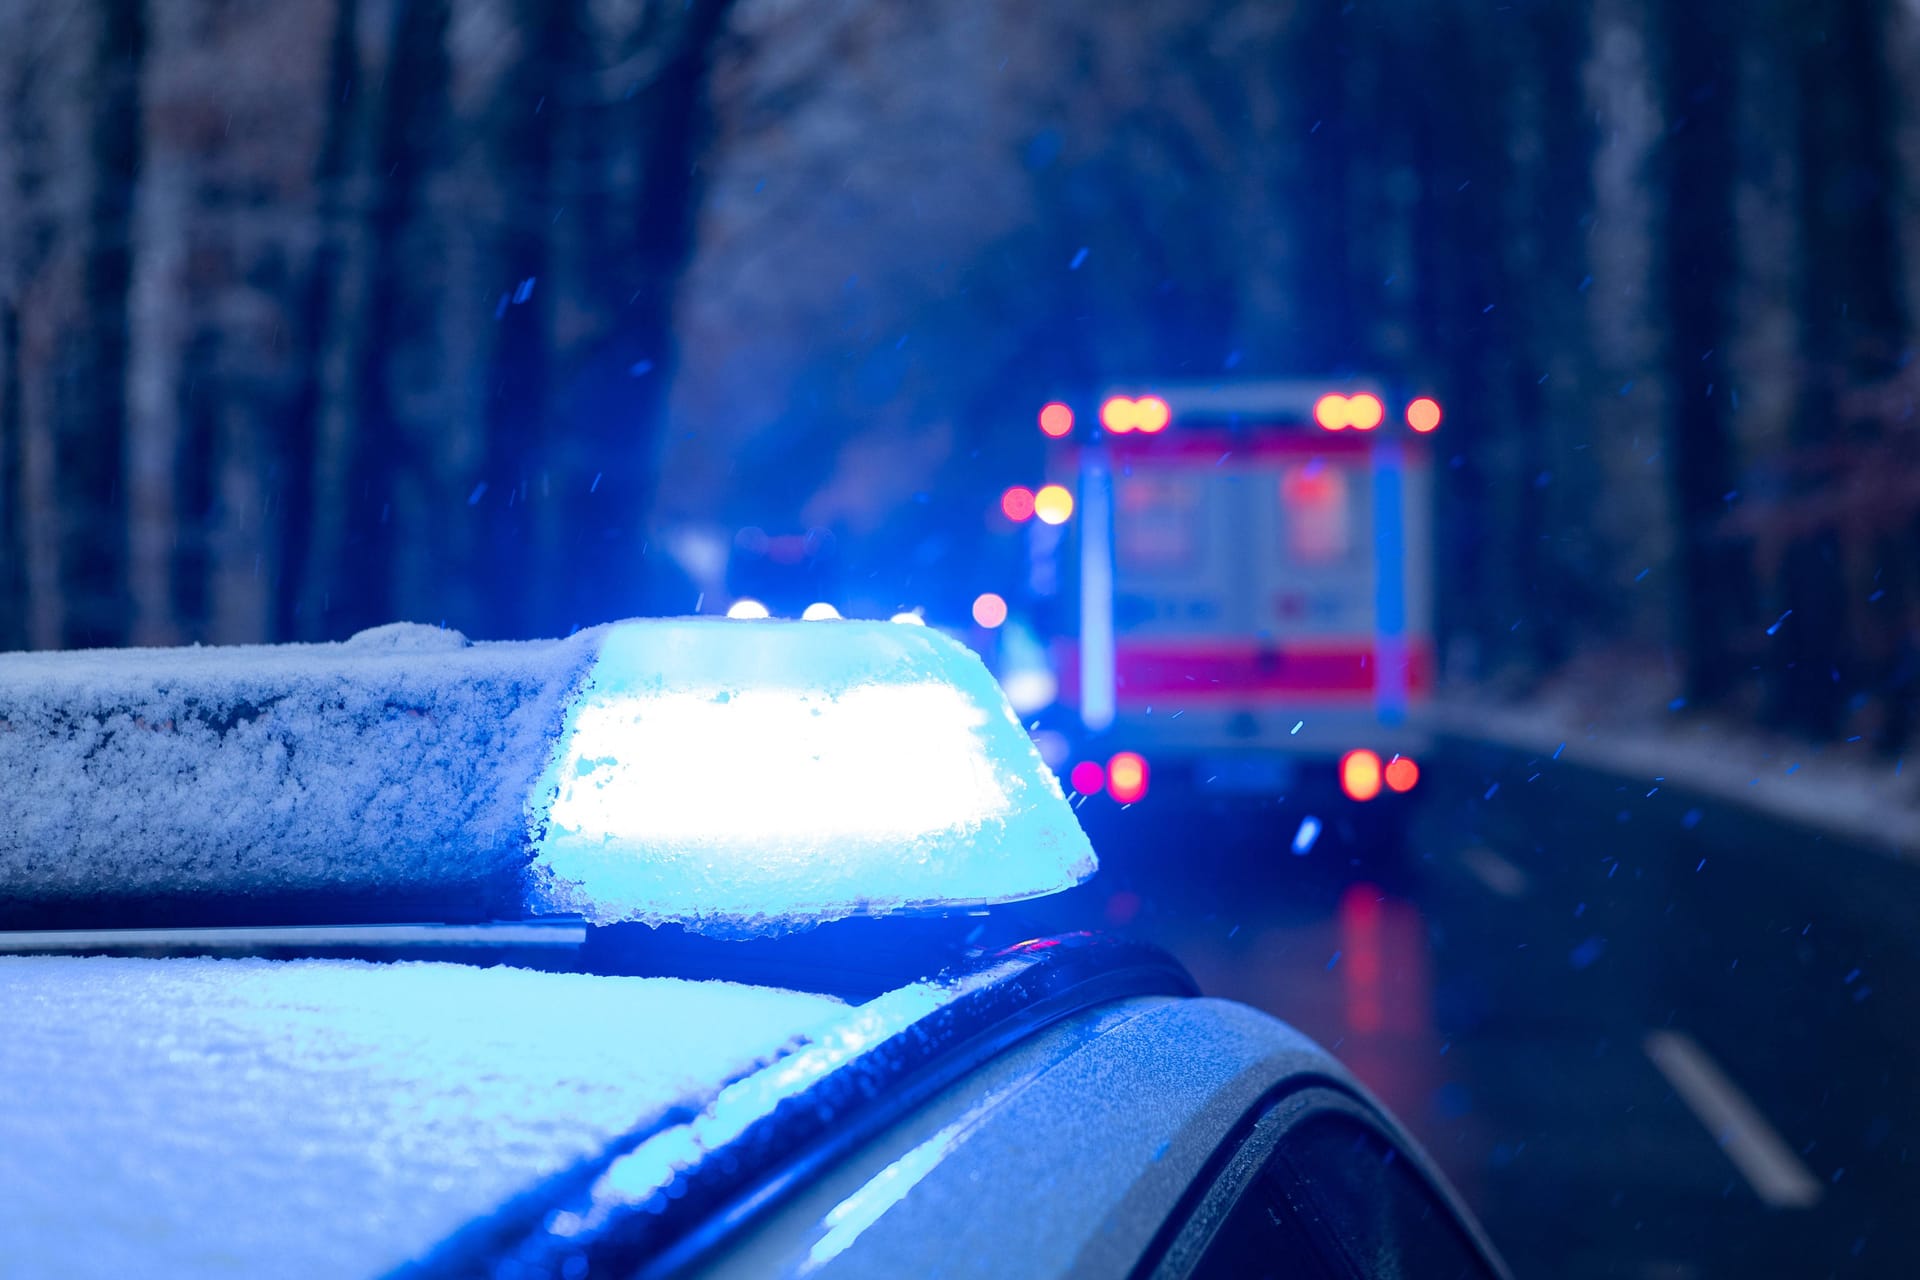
<point>1056,420</point>
<point>747,609</point>
<point>1423,415</point>
<point>989,609</point>
<point>1402,774</point>
<point>1088,778</point>
<point>1362,412</point>
<point>1053,504</point>
<point>819,611</point>
<point>1360,775</point>
<point>734,780</point>
<point>1127,777</point>
<point>1148,414</point>
<point>1016,504</point>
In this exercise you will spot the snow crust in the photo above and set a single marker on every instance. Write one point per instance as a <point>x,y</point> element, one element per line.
<point>178,1117</point>
<point>398,760</point>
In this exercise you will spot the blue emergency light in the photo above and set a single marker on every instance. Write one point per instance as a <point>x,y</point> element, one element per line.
<point>731,776</point>
<point>739,776</point>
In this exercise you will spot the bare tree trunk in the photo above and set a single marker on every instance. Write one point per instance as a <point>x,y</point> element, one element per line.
<point>1549,375</point>
<point>13,479</point>
<point>1698,185</point>
<point>90,415</point>
<point>1636,523</point>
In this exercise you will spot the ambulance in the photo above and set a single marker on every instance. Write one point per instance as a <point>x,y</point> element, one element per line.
<point>1241,596</point>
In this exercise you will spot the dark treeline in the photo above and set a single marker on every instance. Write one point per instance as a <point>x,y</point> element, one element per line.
<point>275,280</point>
<point>317,314</point>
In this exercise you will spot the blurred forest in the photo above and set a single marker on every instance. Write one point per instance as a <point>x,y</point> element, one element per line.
<point>318,313</point>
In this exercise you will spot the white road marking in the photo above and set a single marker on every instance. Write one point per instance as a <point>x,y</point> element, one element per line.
<point>1495,872</point>
<point>1756,1148</point>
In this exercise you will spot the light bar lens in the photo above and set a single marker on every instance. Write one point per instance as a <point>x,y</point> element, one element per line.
<point>740,780</point>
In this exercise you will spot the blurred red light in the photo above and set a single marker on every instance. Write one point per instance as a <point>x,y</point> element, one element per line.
<point>1056,419</point>
<point>1360,775</point>
<point>1402,773</point>
<point>1127,777</point>
<point>1088,778</point>
<point>1365,412</point>
<point>1423,415</point>
<point>989,610</point>
<point>1017,503</point>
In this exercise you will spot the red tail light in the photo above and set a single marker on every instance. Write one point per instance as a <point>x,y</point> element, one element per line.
<point>1127,777</point>
<point>1088,778</point>
<point>1360,775</point>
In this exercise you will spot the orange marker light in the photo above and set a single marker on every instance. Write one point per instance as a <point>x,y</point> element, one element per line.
<point>1017,504</point>
<point>1330,411</point>
<point>989,610</point>
<point>1365,412</point>
<point>1056,419</point>
<point>1053,504</point>
<point>1402,773</point>
<point>1423,415</point>
<point>1127,777</point>
<point>1360,775</point>
<point>1116,415</point>
<point>1151,414</point>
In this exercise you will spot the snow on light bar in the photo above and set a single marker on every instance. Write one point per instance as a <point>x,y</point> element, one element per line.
<point>732,776</point>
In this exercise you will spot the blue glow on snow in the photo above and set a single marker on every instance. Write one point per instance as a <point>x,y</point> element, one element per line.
<point>196,1117</point>
<point>646,1175</point>
<point>746,779</point>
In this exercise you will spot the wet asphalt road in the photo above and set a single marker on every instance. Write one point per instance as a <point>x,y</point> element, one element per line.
<point>1646,1035</point>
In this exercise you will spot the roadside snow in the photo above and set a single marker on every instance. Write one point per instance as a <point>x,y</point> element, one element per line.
<point>1843,789</point>
<point>167,1118</point>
